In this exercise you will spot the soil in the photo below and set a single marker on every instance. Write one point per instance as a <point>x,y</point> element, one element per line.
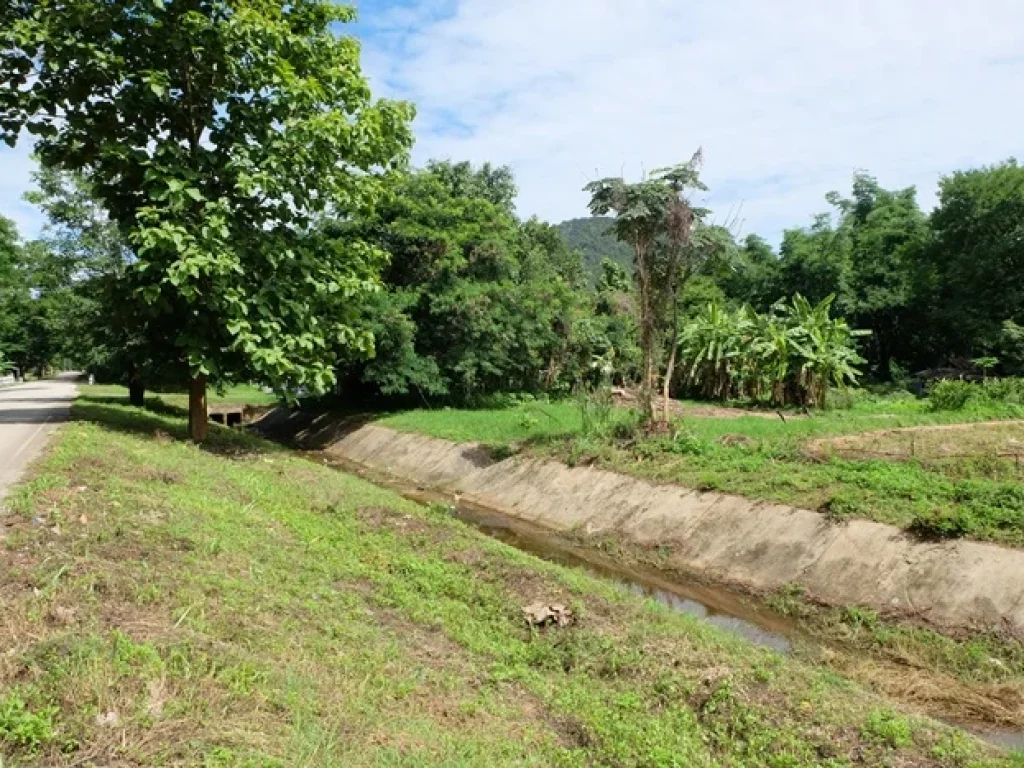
<point>1003,439</point>
<point>624,398</point>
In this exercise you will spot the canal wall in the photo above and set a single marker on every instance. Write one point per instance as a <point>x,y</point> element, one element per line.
<point>760,547</point>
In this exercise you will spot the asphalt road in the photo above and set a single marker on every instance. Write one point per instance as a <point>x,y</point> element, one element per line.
<point>29,413</point>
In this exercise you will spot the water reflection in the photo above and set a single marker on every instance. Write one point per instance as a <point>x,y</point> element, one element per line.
<point>676,596</point>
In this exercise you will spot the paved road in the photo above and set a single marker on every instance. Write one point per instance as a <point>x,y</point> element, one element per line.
<point>28,414</point>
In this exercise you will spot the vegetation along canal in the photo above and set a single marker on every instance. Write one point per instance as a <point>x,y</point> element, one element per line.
<point>719,606</point>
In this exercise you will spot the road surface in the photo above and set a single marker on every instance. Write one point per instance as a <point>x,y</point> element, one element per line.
<point>28,414</point>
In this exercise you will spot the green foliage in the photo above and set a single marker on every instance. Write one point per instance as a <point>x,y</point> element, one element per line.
<point>971,275</point>
<point>213,135</point>
<point>596,407</point>
<point>1011,346</point>
<point>957,394</point>
<point>888,727</point>
<point>791,355</point>
<point>593,239</point>
<point>477,302</point>
<point>22,728</point>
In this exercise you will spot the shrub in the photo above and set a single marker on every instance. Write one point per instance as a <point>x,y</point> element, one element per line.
<point>889,728</point>
<point>956,394</point>
<point>791,355</point>
<point>951,394</point>
<point>22,728</point>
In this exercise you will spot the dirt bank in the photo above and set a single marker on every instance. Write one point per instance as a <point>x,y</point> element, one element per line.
<point>761,547</point>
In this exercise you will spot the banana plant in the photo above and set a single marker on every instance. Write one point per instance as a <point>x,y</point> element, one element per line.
<point>791,355</point>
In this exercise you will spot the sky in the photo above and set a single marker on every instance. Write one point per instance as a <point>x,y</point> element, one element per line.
<point>786,98</point>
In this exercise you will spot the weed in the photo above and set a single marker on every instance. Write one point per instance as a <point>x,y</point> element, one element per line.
<point>22,728</point>
<point>955,750</point>
<point>888,727</point>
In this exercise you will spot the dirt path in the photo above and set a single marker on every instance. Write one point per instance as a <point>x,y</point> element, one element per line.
<point>626,399</point>
<point>887,443</point>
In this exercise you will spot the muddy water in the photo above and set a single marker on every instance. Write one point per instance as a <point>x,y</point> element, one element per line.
<point>719,606</point>
<point>730,612</point>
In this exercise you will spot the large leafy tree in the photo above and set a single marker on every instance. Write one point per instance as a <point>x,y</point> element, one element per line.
<point>885,231</point>
<point>815,261</point>
<point>477,301</point>
<point>14,298</point>
<point>865,255</point>
<point>655,218</point>
<point>79,276</point>
<point>971,274</point>
<point>215,133</point>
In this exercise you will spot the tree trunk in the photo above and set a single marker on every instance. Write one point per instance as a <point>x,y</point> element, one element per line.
<point>670,368</point>
<point>198,424</point>
<point>646,394</point>
<point>669,371</point>
<point>136,393</point>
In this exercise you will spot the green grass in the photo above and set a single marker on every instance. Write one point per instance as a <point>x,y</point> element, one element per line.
<point>240,394</point>
<point>236,605</point>
<point>767,458</point>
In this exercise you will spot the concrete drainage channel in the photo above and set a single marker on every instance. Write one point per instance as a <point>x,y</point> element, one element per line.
<point>731,611</point>
<point>720,607</point>
<point>542,507</point>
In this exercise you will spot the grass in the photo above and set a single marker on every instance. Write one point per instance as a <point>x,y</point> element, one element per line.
<point>162,604</point>
<point>980,496</point>
<point>240,394</point>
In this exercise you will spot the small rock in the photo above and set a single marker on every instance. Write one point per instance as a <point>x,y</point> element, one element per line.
<point>62,615</point>
<point>83,520</point>
<point>107,719</point>
<point>547,614</point>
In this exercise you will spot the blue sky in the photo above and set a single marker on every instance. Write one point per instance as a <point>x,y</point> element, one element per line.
<point>787,98</point>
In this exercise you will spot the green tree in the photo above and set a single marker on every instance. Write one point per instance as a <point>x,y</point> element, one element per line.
<point>79,276</point>
<point>14,297</point>
<point>886,231</point>
<point>971,273</point>
<point>655,218</point>
<point>815,262</point>
<point>477,302</point>
<point>753,275</point>
<point>214,134</point>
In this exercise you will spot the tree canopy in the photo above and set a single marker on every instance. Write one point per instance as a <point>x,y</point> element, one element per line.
<point>214,134</point>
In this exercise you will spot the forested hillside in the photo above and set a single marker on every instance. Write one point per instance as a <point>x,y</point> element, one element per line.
<point>593,239</point>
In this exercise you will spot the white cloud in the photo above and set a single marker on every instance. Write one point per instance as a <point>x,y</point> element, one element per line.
<point>787,98</point>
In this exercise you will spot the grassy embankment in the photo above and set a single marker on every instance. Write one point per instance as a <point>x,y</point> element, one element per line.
<point>240,394</point>
<point>162,604</point>
<point>944,483</point>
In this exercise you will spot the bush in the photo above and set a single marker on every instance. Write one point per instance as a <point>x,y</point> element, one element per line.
<point>889,728</point>
<point>951,395</point>
<point>22,728</point>
<point>956,394</point>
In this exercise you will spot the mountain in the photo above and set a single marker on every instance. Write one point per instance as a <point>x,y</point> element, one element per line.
<point>590,237</point>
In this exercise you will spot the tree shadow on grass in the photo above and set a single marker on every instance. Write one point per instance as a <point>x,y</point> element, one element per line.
<point>160,421</point>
